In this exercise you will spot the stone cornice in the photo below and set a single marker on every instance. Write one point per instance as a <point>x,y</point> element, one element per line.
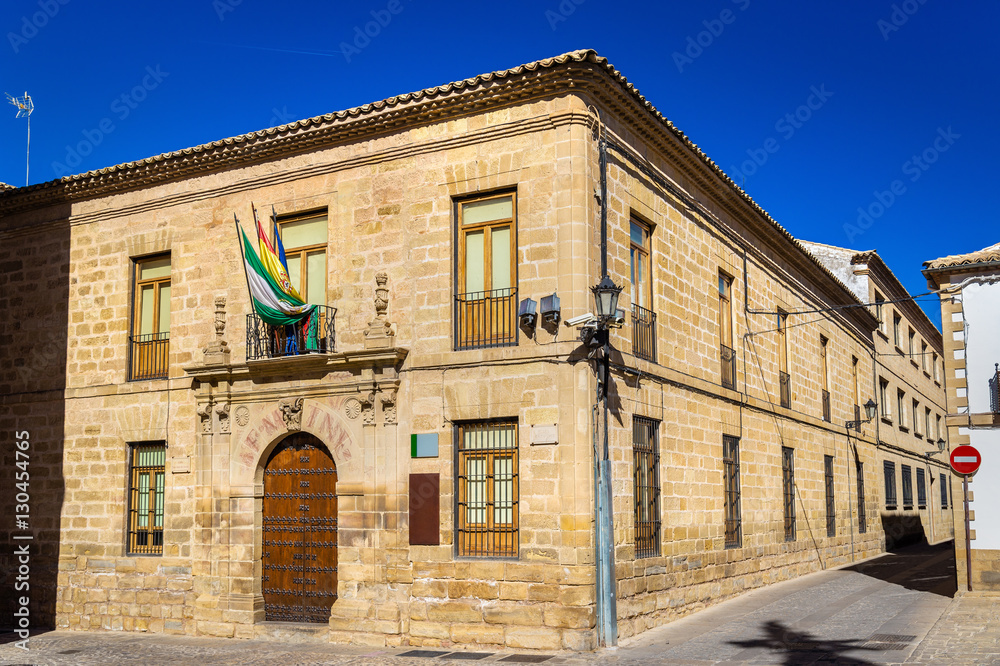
<point>317,365</point>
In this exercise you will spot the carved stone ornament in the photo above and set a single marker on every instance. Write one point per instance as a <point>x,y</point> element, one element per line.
<point>242,416</point>
<point>223,411</point>
<point>217,351</point>
<point>367,401</point>
<point>220,316</point>
<point>388,399</point>
<point>380,332</point>
<point>381,294</point>
<point>352,408</point>
<point>205,413</point>
<point>291,412</point>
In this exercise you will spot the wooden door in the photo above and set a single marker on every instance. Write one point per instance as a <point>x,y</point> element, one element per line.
<point>299,560</point>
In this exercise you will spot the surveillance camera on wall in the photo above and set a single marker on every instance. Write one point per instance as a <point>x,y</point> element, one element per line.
<point>581,320</point>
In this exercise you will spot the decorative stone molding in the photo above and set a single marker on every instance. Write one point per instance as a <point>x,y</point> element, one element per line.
<point>291,412</point>
<point>388,399</point>
<point>352,408</point>
<point>222,410</point>
<point>380,332</point>
<point>205,414</point>
<point>242,416</point>
<point>217,351</point>
<point>367,400</point>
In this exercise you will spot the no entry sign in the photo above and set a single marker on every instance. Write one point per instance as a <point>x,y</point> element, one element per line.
<point>965,459</point>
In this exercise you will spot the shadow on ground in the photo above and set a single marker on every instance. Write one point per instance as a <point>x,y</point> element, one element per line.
<point>919,567</point>
<point>800,647</point>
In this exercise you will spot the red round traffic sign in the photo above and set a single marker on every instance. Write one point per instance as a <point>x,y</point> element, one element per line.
<point>965,459</point>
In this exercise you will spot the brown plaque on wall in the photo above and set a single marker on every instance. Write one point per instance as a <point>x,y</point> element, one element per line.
<point>425,510</point>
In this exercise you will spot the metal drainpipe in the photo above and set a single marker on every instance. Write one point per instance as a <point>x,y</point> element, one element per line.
<point>607,606</point>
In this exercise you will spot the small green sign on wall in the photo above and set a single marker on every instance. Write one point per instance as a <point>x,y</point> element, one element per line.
<point>424,445</point>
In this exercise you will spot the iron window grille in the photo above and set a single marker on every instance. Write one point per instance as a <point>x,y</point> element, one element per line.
<point>862,515</point>
<point>643,333</point>
<point>889,468</point>
<point>944,492</point>
<point>486,501</point>
<point>831,507</point>
<point>728,357</point>
<point>921,490</point>
<point>646,460</point>
<point>907,487</point>
<point>731,472</point>
<point>788,490</point>
<point>313,335</point>
<point>148,356</point>
<point>145,506</point>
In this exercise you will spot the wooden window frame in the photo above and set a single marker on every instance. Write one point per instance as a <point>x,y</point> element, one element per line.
<point>153,535</point>
<point>491,538</point>
<point>879,312</point>
<point>897,323</point>
<point>148,359</point>
<point>646,486</point>
<point>824,351</point>
<point>885,407</point>
<point>906,477</point>
<point>645,253</point>
<point>305,251</point>
<point>901,409</point>
<point>889,472</point>
<point>487,321</point>
<point>921,489</point>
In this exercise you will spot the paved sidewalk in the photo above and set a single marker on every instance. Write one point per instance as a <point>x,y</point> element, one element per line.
<point>894,609</point>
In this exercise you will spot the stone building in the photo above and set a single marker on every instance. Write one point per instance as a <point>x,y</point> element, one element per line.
<point>970,316</point>
<point>415,465</point>
<point>908,386</point>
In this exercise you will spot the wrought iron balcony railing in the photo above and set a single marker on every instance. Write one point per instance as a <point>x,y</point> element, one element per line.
<point>148,356</point>
<point>995,391</point>
<point>826,405</point>
<point>643,333</point>
<point>728,357</point>
<point>485,319</point>
<point>785,386</point>
<point>313,335</point>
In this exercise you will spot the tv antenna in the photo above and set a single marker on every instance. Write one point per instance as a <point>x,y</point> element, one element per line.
<point>24,108</point>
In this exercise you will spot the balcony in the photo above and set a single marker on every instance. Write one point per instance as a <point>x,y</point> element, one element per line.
<point>728,357</point>
<point>485,319</point>
<point>826,405</point>
<point>995,390</point>
<point>148,355</point>
<point>313,335</point>
<point>785,386</point>
<point>643,333</point>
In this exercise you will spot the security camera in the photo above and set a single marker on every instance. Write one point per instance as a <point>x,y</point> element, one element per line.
<point>619,318</point>
<point>582,319</point>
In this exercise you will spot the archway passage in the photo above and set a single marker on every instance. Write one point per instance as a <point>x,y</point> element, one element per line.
<point>299,560</point>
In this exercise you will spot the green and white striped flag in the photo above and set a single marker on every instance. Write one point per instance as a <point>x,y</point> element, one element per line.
<point>270,301</point>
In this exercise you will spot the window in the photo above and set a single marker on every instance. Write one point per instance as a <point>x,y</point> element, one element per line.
<point>883,399</point>
<point>486,302</point>
<point>921,490</point>
<point>907,476</point>
<point>897,335</point>
<point>145,503</point>
<point>728,356</point>
<point>859,468</point>
<point>879,301</point>
<point>149,343</point>
<point>855,388</point>
<point>944,491</point>
<point>646,478</point>
<point>825,377</point>
<point>912,348</point>
<point>916,418</point>
<point>934,366</point>
<point>731,472</point>
<point>788,490</point>
<point>938,427</point>
<point>831,508</point>
<point>643,317</point>
<point>304,239</point>
<point>784,379</point>
<point>927,424</point>
<point>901,409</point>
<point>923,357</point>
<point>486,513</point>
<point>889,468</point>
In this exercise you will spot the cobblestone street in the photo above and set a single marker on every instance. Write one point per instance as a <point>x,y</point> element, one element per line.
<point>894,609</point>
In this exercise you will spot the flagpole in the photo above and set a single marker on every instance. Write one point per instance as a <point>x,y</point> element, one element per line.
<point>243,260</point>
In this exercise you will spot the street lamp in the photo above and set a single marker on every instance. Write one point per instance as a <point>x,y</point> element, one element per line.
<point>606,297</point>
<point>870,408</point>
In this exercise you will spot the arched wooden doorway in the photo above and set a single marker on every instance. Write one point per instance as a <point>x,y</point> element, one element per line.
<point>299,558</point>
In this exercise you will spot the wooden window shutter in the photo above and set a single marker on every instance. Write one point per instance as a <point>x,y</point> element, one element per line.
<point>425,510</point>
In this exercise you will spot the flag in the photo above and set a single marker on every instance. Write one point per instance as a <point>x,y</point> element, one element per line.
<point>276,267</point>
<point>271,302</point>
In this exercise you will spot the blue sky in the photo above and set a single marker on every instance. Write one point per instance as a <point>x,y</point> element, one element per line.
<point>819,108</point>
